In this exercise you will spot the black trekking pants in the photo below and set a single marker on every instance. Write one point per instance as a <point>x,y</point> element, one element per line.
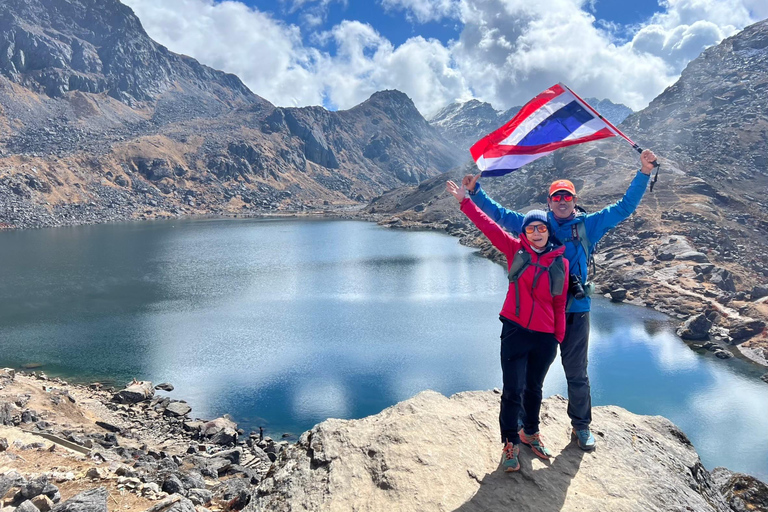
<point>573,352</point>
<point>525,359</point>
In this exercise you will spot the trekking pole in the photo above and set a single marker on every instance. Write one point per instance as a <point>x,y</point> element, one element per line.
<point>610,125</point>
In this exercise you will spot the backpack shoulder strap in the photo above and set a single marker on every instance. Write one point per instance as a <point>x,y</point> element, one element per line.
<point>520,262</point>
<point>581,231</point>
<point>556,276</point>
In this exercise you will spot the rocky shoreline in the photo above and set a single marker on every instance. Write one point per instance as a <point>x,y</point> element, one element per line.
<point>83,448</point>
<point>67,447</point>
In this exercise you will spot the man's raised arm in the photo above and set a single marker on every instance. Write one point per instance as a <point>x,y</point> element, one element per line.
<point>599,223</point>
<point>508,219</point>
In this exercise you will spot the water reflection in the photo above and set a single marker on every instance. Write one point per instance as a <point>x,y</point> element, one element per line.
<point>286,323</point>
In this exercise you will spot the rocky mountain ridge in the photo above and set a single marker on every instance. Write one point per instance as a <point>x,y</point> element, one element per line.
<point>98,122</point>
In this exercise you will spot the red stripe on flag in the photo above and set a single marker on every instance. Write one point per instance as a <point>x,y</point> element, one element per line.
<point>493,138</point>
<point>499,151</point>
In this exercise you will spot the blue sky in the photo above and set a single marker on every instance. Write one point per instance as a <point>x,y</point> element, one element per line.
<point>395,27</point>
<point>336,53</point>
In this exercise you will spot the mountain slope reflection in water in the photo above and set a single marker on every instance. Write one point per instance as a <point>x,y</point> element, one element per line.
<point>284,323</point>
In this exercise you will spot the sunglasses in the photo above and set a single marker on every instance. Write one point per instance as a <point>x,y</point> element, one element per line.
<point>541,228</point>
<point>561,197</point>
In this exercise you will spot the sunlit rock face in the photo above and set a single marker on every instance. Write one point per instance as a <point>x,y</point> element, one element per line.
<point>437,453</point>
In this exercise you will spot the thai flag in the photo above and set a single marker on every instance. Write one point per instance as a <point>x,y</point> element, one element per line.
<point>554,119</point>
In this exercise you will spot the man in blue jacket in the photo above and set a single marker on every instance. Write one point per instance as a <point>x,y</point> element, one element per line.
<point>579,233</point>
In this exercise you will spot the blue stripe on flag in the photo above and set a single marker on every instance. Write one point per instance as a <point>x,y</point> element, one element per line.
<point>558,126</point>
<point>500,172</point>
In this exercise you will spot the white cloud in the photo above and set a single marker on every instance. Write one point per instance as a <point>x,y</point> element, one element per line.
<point>366,62</point>
<point>424,11</point>
<point>267,54</point>
<point>507,51</point>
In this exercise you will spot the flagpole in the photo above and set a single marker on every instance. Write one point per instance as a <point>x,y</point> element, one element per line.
<point>618,132</point>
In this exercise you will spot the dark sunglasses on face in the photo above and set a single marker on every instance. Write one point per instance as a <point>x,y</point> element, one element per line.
<point>562,197</point>
<point>541,228</point>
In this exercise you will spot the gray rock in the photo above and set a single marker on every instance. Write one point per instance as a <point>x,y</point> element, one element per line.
<point>618,294</point>
<point>695,328</point>
<point>183,505</point>
<point>9,414</point>
<point>211,467</point>
<point>200,496</point>
<point>224,437</point>
<point>388,462</point>
<point>192,480</point>
<point>743,493</point>
<point>232,456</point>
<point>745,329</point>
<point>764,378</point>
<point>93,500</point>
<point>3,444</point>
<point>137,391</point>
<point>164,386</point>
<point>172,485</point>
<point>27,506</point>
<point>758,292</point>
<point>43,503</point>
<point>698,257</point>
<point>723,279</point>
<point>34,487</point>
<point>177,409</point>
<point>9,480</point>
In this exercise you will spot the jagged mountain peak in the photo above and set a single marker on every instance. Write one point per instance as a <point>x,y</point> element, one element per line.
<point>94,46</point>
<point>458,111</point>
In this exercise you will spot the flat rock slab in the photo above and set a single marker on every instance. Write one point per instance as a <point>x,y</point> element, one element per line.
<point>433,453</point>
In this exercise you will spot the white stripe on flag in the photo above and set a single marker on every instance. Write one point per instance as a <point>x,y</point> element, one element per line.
<point>537,117</point>
<point>508,161</point>
<point>588,128</point>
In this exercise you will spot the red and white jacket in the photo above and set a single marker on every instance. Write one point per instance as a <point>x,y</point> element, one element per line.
<point>539,310</point>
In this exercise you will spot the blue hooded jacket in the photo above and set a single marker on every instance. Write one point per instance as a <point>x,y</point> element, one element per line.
<point>597,224</point>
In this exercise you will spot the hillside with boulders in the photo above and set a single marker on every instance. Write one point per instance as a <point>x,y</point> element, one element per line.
<point>98,122</point>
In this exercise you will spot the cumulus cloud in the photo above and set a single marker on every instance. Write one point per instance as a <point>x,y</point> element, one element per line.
<point>366,62</point>
<point>267,54</point>
<point>424,11</point>
<point>687,27</point>
<point>507,51</point>
<point>313,12</point>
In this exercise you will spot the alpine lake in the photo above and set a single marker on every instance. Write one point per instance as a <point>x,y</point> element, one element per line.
<point>283,323</point>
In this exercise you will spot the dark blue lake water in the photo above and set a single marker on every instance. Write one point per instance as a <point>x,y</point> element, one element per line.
<point>284,323</point>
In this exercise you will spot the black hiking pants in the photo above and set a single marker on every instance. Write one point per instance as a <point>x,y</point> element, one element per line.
<point>525,359</point>
<point>573,352</point>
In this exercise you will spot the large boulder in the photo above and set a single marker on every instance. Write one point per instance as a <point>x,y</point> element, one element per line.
<point>93,500</point>
<point>745,329</point>
<point>177,409</point>
<point>136,391</point>
<point>433,453</point>
<point>695,328</point>
<point>220,431</point>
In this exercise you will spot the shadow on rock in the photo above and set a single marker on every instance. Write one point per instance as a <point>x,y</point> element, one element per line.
<point>538,486</point>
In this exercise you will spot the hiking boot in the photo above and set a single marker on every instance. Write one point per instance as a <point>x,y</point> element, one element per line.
<point>510,453</point>
<point>534,441</point>
<point>584,438</point>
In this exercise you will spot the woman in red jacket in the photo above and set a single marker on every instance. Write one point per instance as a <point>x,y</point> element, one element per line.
<point>533,321</point>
